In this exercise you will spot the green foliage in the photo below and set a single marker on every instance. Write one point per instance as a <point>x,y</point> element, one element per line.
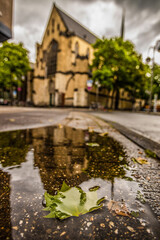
<point>14,64</point>
<point>71,202</point>
<point>117,65</point>
<point>13,148</point>
<point>149,153</point>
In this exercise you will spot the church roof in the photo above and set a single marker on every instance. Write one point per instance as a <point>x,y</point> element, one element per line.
<point>74,26</point>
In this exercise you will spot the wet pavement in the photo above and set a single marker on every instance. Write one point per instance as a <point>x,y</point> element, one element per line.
<point>148,125</point>
<point>13,118</point>
<point>33,161</point>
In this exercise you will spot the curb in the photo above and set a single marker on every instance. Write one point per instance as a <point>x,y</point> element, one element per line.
<point>140,140</point>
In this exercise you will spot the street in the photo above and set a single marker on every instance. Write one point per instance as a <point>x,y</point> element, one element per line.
<point>14,118</point>
<point>145,124</point>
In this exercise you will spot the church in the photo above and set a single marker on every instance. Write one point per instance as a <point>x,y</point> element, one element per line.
<point>61,74</point>
<point>62,62</point>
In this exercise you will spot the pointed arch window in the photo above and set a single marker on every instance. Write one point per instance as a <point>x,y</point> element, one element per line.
<point>88,52</point>
<point>52,58</point>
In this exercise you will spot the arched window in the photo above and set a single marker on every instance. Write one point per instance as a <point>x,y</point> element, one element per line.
<point>87,53</point>
<point>52,58</point>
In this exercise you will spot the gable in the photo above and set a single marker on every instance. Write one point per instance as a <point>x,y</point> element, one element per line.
<point>76,28</point>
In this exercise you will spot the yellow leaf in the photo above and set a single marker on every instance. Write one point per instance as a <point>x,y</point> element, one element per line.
<point>141,160</point>
<point>103,134</point>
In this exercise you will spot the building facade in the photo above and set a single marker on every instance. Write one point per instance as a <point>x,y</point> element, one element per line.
<point>5,19</point>
<point>62,61</point>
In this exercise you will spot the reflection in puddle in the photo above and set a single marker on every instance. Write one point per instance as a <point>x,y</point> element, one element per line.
<point>33,161</point>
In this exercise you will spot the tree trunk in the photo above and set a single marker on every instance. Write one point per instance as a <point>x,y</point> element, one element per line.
<point>112,101</point>
<point>107,99</point>
<point>117,99</point>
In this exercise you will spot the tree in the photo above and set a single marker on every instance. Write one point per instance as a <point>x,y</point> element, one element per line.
<point>117,65</point>
<point>14,64</point>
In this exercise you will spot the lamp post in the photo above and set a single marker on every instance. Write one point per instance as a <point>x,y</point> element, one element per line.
<point>155,47</point>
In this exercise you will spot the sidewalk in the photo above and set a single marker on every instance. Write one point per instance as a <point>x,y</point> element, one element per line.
<point>84,151</point>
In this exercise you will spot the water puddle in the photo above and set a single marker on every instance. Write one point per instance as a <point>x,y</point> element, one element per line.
<point>37,160</point>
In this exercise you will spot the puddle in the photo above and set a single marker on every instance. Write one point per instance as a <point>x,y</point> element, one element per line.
<point>38,160</point>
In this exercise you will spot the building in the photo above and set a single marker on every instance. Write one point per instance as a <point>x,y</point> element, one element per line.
<point>5,19</point>
<point>61,70</point>
<point>62,67</point>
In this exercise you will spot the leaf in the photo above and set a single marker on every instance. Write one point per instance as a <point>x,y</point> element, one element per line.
<point>141,161</point>
<point>149,153</point>
<point>103,134</point>
<point>119,208</point>
<point>64,187</point>
<point>71,202</point>
<point>92,144</point>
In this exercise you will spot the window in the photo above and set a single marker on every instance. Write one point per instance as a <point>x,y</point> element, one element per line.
<point>87,53</point>
<point>48,32</point>
<point>52,58</point>
<point>58,27</point>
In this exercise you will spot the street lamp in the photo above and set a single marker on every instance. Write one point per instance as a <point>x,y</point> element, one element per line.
<point>155,47</point>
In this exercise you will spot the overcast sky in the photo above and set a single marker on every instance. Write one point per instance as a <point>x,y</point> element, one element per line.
<point>103,17</point>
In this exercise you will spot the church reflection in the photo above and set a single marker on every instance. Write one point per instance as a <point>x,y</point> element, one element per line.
<point>59,153</point>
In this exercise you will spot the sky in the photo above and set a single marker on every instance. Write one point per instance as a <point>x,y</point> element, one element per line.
<point>102,17</point>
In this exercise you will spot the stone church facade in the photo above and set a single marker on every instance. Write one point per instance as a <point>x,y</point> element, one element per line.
<point>61,70</point>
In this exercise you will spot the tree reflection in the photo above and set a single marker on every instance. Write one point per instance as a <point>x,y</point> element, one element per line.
<point>5,221</point>
<point>13,148</point>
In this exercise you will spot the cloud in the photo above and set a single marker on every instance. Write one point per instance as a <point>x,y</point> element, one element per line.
<point>146,37</point>
<point>103,17</point>
<point>140,5</point>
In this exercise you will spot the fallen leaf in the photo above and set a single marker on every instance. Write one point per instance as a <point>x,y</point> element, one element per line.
<point>103,134</point>
<point>71,202</point>
<point>119,208</point>
<point>142,160</point>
